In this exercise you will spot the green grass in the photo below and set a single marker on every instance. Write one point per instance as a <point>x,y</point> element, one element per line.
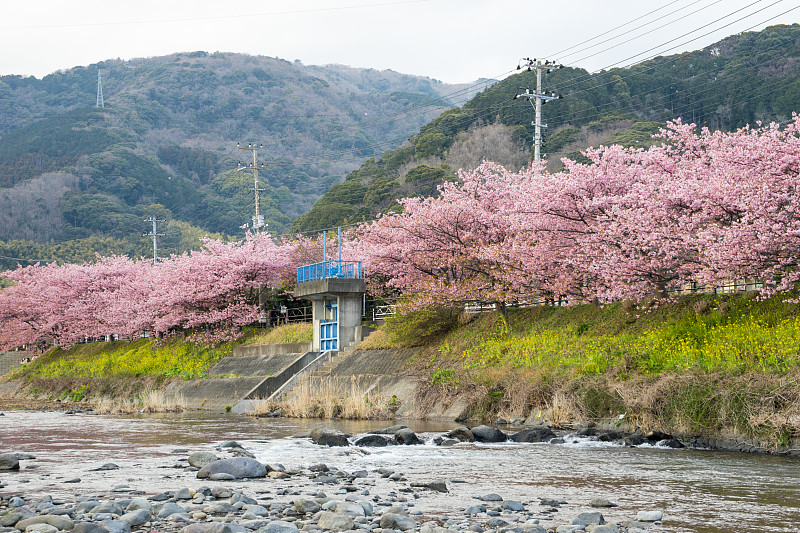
<point>171,357</point>
<point>699,334</point>
<point>174,358</point>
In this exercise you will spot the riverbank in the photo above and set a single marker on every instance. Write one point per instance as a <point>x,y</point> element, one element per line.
<point>716,370</point>
<point>80,457</point>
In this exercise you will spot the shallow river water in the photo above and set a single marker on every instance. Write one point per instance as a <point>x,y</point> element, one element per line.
<point>698,490</point>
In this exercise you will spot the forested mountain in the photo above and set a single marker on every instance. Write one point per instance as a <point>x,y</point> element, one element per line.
<point>76,179</point>
<point>740,80</point>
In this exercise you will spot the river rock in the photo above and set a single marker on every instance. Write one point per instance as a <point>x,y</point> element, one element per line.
<point>335,521</point>
<point>41,528</point>
<point>372,441</point>
<point>137,504</point>
<point>279,526</point>
<point>391,430</point>
<point>353,510</point>
<point>108,507</point>
<point>89,527</point>
<point>475,509</point>
<point>107,466</point>
<point>488,434</point>
<point>54,520</point>
<point>9,461</point>
<point>10,518</point>
<point>601,503</point>
<point>183,494</point>
<point>304,506</point>
<point>534,434</point>
<point>406,436</point>
<point>238,467</point>
<point>608,528</point>
<point>649,516</point>
<point>397,521</point>
<point>592,517</point>
<point>136,518</point>
<point>636,439</point>
<point>201,459</point>
<point>329,437</point>
<point>492,497</point>
<point>512,505</point>
<point>671,443</point>
<point>16,501</point>
<point>170,508</point>
<point>655,436</point>
<point>213,527</point>
<point>461,433</point>
<point>438,486</point>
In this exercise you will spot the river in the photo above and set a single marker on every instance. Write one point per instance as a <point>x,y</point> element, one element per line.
<point>698,490</point>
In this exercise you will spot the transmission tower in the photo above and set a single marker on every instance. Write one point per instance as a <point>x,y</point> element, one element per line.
<point>155,235</point>
<point>100,102</point>
<point>537,98</point>
<point>258,218</point>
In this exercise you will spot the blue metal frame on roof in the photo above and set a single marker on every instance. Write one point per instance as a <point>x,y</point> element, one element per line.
<point>330,269</point>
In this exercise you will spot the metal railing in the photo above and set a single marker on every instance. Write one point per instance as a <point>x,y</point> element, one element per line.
<point>330,269</point>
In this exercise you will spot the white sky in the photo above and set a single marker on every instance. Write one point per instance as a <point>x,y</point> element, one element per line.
<point>450,40</point>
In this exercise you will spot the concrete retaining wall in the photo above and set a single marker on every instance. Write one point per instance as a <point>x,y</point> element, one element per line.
<point>10,360</point>
<point>254,376</point>
<point>383,373</point>
<point>272,349</point>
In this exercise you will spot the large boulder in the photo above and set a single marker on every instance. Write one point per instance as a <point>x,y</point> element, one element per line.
<point>461,433</point>
<point>201,459</point>
<point>536,434</point>
<point>305,506</point>
<point>335,521</point>
<point>397,521</point>
<point>9,461</point>
<point>372,441</point>
<point>406,436</point>
<point>488,434</point>
<point>353,510</point>
<point>280,526</point>
<point>57,521</point>
<point>329,437</point>
<point>238,467</point>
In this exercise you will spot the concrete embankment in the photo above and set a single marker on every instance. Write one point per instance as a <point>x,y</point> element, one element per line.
<point>10,360</point>
<point>250,372</point>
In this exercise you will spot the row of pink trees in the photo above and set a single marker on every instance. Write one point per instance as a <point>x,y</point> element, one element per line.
<point>703,207</point>
<point>216,287</point>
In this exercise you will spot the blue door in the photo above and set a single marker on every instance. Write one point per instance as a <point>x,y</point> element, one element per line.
<point>328,335</point>
<point>329,328</point>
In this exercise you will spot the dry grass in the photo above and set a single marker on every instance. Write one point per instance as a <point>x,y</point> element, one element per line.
<point>154,401</point>
<point>351,398</point>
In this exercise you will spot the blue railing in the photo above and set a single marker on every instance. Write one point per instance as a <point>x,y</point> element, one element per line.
<point>330,269</point>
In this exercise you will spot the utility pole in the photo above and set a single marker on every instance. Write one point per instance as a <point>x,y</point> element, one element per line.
<point>537,98</point>
<point>155,235</point>
<point>258,218</point>
<point>100,102</point>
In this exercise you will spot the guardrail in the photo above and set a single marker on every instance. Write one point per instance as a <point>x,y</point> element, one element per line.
<point>330,269</point>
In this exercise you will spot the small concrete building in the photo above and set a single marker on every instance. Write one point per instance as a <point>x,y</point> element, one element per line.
<point>336,290</point>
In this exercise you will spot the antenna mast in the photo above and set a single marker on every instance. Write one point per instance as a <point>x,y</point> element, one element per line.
<point>100,102</point>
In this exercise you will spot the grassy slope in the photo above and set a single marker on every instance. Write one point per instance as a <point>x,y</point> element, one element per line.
<point>705,365</point>
<point>114,369</point>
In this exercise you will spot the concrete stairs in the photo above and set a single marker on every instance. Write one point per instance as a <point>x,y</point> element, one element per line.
<point>319,368</point>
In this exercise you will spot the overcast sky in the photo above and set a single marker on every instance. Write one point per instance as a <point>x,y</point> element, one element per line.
<point>450,40</point>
